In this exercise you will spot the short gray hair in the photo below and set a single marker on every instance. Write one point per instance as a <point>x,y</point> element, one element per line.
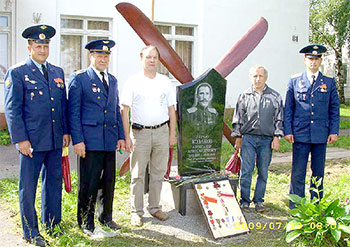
<point>256,67</point>
<point>151,47</point>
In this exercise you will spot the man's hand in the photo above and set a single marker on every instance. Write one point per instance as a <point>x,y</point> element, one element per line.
<point>121,145</point>
<point>238,143</point>
<point>275,144</point>
<point>79,149</point>
<point>25,148</point>
<point>172,140</point>
<point>332,138</point>
<point>289,138</point>
<point>129,146</point>
<point>66,140</point>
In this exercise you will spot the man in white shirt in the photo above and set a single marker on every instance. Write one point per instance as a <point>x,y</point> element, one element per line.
<point>151,98</point>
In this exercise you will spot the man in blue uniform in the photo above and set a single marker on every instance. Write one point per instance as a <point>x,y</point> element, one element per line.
<point>97,131</point>
<point>311,120</point>
<point>35,108</point>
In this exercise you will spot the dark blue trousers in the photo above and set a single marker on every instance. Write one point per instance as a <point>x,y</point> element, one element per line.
<point>301,153</point>
<point>50,165</point>
<point>96,185</point>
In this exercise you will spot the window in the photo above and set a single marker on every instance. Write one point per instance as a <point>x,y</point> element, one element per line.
<point>182,39</point>
<point>76,32</point>
<point>5,44</point>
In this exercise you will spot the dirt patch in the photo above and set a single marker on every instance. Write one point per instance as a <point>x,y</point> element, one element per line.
<point>10,234</point>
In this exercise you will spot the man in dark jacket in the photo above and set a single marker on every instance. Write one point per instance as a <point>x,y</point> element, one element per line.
<point>311,120</point>
<point>97,132</point>
<point>35,109</point>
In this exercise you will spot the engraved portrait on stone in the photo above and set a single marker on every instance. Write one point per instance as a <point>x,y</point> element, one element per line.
<point>202,111</point>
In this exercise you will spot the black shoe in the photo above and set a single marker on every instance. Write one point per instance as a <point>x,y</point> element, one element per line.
<point>260,208</point>
<point>245,207</point>
<point>112,225</point>
<point>38,240</point>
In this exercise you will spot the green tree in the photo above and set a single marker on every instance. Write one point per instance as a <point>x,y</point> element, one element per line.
<point>330,25</point>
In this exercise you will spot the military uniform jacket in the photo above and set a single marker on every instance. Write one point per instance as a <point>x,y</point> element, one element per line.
<point>94,115</point>
<point>311,112</point>
<point>35,109</point>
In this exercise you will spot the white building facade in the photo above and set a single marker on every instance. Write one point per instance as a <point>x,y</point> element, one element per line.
<point>201,31</point>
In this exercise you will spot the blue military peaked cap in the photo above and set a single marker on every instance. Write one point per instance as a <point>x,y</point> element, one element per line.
<point>313,50</point>
<point>100,46</point>
<point>39,33</point>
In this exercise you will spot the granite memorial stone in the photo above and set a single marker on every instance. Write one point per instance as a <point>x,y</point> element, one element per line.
<point>201,105</point>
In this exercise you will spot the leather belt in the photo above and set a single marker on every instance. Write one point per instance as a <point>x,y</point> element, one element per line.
<point>139,126</point>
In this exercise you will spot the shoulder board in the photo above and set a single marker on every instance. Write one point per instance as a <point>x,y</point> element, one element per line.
<point>192,110</point>
<point>212,110</point>
<point>296,75</point>
<point>57,66</point>
<point>80,71</point>
<point>327,77</point>
<point>17,65</point>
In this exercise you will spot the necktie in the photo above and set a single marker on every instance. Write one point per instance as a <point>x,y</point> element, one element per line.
<point>313,80</point>
<point>45,72</point>
<point>104,81</point>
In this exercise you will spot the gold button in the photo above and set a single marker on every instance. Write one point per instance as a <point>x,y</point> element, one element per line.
<point>312,104</point>
<point>312,113</point>
<point>53,120</point>
<point>53,109</point>
<point>105,125</point>
<point>312,121</point>
<point>105,111</point>
<point>312,95</point>
<point>52,99</point>
<point>98,97</point>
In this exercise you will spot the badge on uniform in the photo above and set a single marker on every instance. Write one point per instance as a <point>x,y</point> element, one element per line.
<point>8,83</point>
<point>323,88</point>
<point>301,84</point>
<point>94,89</point>
<point>59,82</point>
<point>31,81</point>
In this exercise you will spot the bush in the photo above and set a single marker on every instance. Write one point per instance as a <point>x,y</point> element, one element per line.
<point>322,222</point>
<point>5,137</point>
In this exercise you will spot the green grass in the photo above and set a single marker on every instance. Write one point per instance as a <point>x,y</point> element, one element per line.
<point>344,125</point>
<point>344,110</point>
<point>337,182</point>
<point>343,142</point>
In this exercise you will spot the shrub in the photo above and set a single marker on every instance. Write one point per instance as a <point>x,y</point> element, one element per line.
<point>322,222</point>
<point>5,137</point>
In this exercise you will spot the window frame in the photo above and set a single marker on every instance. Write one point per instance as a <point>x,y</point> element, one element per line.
<point>7,30</point>
<point>84,33</point>
<point>173,37</point>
